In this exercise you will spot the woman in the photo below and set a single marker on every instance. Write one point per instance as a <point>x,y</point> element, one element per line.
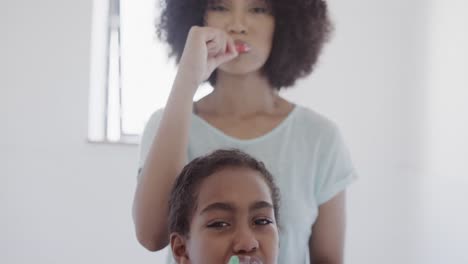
<point>248,50</point>
<point>210,222</point>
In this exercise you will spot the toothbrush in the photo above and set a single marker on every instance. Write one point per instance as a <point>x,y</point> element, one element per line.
<point>244,260</point>
<point>234,260</point>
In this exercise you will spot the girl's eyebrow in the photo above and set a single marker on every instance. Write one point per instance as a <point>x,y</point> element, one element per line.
<point>219,207</point>
<point>260,205</point>
<point>230,208</point>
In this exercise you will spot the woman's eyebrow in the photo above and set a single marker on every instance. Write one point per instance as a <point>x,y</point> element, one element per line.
<point>214,2</point>
<point>264,2</point>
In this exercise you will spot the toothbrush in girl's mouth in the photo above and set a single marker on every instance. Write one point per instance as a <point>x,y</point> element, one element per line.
<point>234,260</point>
<point>244,260</point>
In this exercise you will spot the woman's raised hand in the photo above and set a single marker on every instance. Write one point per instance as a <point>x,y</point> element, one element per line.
<point>206,48</point>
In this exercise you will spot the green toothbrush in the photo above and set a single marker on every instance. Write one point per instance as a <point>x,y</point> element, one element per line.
<point>234,260</point>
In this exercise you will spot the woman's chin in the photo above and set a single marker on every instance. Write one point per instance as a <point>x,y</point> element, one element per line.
<point>233,68</point>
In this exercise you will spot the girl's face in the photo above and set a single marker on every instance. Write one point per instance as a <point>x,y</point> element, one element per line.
<point>250,21</point>
<point>234,216</point>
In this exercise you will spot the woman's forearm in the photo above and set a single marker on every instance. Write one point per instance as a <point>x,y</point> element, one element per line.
<point>164,161</point>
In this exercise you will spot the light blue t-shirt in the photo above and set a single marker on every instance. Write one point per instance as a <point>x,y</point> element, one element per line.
<point>305,154</point>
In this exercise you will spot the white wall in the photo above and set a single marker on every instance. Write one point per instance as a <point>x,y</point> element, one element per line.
<point>67,201</point>
<point>444,215</point>
<point>369,82</point>
<point>63,200</point>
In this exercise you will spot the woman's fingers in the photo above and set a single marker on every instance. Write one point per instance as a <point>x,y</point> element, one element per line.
<point>212,48</point>
<point>232,47</point>
<point>221,49</point>
<point>205,50</point>
<point>223,42</point>
<point>229,54</point>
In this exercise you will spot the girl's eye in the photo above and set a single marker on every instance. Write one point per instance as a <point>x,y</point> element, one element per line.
<point>218,225</point>
<point>263,221</point>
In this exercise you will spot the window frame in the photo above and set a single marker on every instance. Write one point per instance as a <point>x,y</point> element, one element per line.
<point>105,122</point>
<point>105,99</point>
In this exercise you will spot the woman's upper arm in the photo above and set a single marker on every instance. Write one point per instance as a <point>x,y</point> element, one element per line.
<point>326,243</point>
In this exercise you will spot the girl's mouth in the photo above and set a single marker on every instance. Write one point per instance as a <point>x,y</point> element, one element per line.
<point>244,260</point>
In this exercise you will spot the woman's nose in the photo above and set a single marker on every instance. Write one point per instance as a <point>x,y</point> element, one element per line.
<point>245,241</point>
<point>237,24</point>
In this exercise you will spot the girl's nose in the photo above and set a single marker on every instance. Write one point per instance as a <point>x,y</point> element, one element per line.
<point>245,242</point>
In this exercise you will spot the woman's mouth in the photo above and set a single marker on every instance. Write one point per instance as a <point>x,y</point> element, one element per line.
<point>241,46</point>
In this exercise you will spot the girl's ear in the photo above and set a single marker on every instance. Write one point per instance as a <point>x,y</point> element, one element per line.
<point>179,248</point>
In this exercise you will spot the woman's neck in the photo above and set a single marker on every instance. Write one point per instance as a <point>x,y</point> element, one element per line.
<point>242,95</point>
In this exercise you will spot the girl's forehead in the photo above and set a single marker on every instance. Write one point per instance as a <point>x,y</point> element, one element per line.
<point>234,184</point>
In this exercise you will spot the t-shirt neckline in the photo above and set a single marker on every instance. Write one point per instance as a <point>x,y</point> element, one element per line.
<point>268,134</point>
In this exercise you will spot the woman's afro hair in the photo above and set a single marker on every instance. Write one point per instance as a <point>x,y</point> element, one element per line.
<point>301,29</point>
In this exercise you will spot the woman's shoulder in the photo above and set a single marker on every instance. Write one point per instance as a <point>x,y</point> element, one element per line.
<point>151,127</point>
<point>154,119</point>
<point>310,119</point>
<point>156,115</point>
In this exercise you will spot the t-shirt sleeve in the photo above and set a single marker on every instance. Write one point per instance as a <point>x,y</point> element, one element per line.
<point>147,138</point>
<point>336,170</point>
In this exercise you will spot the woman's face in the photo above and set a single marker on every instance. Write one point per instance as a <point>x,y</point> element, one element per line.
<point>250,21</point>
<point>234,216</point>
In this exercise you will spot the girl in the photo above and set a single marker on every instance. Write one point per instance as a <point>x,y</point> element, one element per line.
<point>248,50</point>
<point>224,206</point>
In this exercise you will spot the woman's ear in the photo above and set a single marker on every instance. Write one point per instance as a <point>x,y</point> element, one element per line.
<point>179,248</point>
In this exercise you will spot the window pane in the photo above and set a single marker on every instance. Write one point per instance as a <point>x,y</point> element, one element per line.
<point>113,119</point>
<point>147,74</point>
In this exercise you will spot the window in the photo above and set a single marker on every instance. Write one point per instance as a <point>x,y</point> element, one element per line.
<point>131,75</point>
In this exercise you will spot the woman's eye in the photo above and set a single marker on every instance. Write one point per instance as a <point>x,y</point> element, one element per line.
<point>263,221</point>
<point>259,10</point>
<point>217,8</point>
<point>218,225</point>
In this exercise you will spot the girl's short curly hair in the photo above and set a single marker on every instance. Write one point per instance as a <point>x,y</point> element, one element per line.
<point>184,195</point>
<point>301,29</point>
